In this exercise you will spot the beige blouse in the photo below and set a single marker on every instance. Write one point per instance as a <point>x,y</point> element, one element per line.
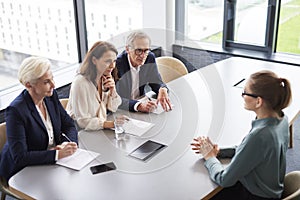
<point>85,105</point>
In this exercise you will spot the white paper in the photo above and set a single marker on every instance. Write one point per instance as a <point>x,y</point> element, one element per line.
<point>78,160</point>
<point>159,109</point>
<point>137,127</point>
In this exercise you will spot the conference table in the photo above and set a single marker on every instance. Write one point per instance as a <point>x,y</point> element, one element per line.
<point>205,102</point>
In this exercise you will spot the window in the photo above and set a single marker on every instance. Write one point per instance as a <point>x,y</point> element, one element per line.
<point>106,19</point>
<point>205,20</point>
<point>289,27</point>
<point>250,25</point>
<point>250,22</point>
<point>41,28</point>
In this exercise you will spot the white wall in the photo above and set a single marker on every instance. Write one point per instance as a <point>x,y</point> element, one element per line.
<point>158,22</point>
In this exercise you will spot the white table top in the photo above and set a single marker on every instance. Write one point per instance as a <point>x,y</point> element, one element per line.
<point>205,103</point>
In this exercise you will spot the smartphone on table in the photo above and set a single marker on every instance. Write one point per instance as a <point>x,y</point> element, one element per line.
<point>103,168</point>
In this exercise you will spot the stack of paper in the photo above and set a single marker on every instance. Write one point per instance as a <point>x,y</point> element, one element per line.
<point>137,127</point>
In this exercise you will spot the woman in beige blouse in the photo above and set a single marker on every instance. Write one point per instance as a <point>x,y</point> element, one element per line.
<point>93,90</point>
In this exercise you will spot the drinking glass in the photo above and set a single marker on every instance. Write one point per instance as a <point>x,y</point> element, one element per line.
<point>119,127</point>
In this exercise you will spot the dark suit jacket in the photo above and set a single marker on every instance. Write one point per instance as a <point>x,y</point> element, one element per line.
<point>148,75</point>
<point>27,137</point>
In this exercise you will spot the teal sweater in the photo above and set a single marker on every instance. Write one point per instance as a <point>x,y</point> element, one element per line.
<point>260,160</point>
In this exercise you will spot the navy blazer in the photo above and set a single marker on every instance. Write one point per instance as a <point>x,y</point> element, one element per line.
<point>27,137</point>
<point>148,75</point>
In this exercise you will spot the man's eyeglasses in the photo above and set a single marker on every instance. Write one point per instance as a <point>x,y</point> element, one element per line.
<point>250,95</point>
<point>141,51</point>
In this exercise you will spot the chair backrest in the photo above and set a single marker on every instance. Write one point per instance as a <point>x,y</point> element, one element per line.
<point>64,102</point>
<point>291,186</point>
<point>170,68</point>
<point>4,188</point>
<point>2,135</point>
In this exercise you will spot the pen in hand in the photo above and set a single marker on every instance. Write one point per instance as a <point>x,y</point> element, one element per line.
<point>66,137</point>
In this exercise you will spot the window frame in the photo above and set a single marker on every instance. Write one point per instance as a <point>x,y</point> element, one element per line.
<point>228,26</point>
<point>270,34</point>
<point>81,31</point>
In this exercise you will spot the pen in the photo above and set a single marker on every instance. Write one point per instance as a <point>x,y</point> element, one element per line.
<point>238,82</point>
<point>66,137</point>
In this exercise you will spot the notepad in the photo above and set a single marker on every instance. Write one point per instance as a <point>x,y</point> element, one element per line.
<point>137,127</point>
<point>78,160</point>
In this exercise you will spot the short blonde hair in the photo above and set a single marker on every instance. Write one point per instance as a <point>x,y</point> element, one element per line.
<point>32,68</point>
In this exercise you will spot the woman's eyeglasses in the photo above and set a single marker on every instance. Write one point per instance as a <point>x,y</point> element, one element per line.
<point>250,95</point>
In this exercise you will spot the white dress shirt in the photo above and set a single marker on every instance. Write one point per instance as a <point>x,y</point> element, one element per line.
<point>85,105</point>
<point>48,124</point>
<point>135,84</point>
<point>135,92</point>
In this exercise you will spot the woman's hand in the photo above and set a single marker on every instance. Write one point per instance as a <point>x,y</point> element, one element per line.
<point>66,149</point>
<point>108,83</point>
<point>203,145</point>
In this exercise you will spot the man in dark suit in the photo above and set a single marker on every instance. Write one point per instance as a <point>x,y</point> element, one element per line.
<point>35,121</point>
<point>137,71</point>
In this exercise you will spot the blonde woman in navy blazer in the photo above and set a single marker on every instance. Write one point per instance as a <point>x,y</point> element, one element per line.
<point>35,121</point>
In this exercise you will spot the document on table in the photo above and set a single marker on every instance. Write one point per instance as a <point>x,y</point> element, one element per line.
<point>159,109</point>
<point>137,127</point>
<point>78,160</point>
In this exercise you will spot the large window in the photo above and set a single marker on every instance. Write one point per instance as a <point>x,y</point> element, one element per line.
<point>205,20</point>
<point>60,30</point>
<point>265,26</point>
<point>40,28</point>
<point>289,27</point>
<point>250,25</point>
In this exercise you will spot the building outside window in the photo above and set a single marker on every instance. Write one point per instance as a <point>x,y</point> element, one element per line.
<point>39,28</point>
<point>47,29</point>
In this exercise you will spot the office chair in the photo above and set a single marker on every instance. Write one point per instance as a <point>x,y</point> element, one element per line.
<point>170,68</point>
<point>291,186</point>
<point>64,102</point>
<point>3,183</point>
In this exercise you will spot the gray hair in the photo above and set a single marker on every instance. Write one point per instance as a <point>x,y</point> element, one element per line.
<point>33,68</point>
<point>136,35</point>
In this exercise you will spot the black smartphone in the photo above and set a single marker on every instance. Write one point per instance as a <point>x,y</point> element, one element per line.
<point>226,153</point>
<point>102,168</point>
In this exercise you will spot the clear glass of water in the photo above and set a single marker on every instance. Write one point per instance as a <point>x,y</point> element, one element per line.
<point>119,127</point>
